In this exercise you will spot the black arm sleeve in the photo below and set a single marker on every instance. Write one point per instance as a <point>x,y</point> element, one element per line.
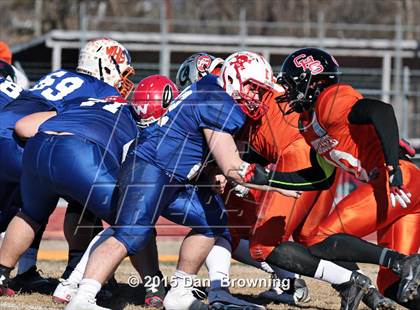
<point>382,117</point>
<point>318,177</point>
<point>251,156</point>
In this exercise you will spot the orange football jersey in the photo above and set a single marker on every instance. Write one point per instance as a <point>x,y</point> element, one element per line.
<point>273,134</point>
<point>355,148</point>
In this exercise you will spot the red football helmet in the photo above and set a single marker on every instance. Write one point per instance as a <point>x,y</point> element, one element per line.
<point>152,98</point>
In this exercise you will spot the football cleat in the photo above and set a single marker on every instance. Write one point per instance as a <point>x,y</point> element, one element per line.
<point>374,300</point>
<point>64,291</point>
<point>83,302</point>
<point>31,281</point>
<point>353,291</point>
<point>155,295</point>
<point>182,298</point>
<point>221,299</point>
<point>4,282</point>
<point>298,294</point>
<point>408,269</point>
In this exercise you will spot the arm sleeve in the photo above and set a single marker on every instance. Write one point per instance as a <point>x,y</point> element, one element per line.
<point>319,176</point>
<point>382,117</point>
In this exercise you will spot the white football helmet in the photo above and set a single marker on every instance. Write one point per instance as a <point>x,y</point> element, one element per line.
<point>196,67</point>
<point>108,61</point>
<point>248,78</point>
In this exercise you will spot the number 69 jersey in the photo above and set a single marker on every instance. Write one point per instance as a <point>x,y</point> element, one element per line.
<point>50,93</point>
<point>108,123</point>
<point>354,148</point>
<point>60,86</point>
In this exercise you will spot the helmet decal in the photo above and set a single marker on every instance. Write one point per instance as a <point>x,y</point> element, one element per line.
<point>240,60</point>
<point>117,53</point>
<point>203,62</point>
<point>167,96</point>
<point>308,63</point>
<point>183,75</point>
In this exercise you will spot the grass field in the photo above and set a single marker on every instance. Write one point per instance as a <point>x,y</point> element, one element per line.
<point>128,298</point>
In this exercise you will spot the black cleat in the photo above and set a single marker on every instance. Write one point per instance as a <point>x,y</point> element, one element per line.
<point>408,269</point>
<point>155,295</point>
<point>353,291</point>
<point>31,281</point>
<point>374,300</point>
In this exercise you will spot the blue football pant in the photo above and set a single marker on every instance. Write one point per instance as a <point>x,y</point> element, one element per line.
<point>146,192</point>
<point>70,167</point>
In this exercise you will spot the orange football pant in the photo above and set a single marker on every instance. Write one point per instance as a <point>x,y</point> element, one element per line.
<point>268,218</point>
<point>368,209</point>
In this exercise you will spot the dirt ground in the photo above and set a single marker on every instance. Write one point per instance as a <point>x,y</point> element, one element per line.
<point>128,298</point>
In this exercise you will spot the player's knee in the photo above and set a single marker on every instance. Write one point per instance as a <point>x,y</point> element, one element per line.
<point>293,257</point>
<point>328,247</point>
<point>213,232</point>
<point>134,239</point>
<point>34,223</point>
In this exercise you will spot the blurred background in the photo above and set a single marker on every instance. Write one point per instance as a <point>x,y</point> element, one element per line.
<point>375,41</point>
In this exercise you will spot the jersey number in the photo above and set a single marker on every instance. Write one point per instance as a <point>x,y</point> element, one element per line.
<point>63,88</point>
<point>110,107</point>
<point>10,89</point>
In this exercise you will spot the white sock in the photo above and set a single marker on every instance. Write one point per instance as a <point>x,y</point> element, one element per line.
<point>182,279</point>
<point>89,287</point>
<point>27,260</point>
<point>218,263</point>
<point>332,273</point>
<point>77,274</point>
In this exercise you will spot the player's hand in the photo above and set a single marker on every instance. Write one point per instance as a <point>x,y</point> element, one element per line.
<point>397,191</point>
<point>219,183</point>
<point>254,174</point>
<point>241,191</point>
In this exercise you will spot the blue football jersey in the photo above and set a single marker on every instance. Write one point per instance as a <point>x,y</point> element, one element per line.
<point>8,91</point>
<point>109,124</point>
<point>62,85</point>
<point>16,109</point>
<point>178,144</point>
<point>50,93</point>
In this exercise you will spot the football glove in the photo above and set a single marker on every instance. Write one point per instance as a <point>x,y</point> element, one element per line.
<point>241,191</point>
<point>254,173</point>
<point>397,190</point>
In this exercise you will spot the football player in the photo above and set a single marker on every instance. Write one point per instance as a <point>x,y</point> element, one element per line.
<point>20,76</point>
<point>106,79</point>
<point>10,167</point>
<point>360,136</point>
<point>196,67</point>
<point>150,102</point>
<point>164,163</point>
<point>193,69</point>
